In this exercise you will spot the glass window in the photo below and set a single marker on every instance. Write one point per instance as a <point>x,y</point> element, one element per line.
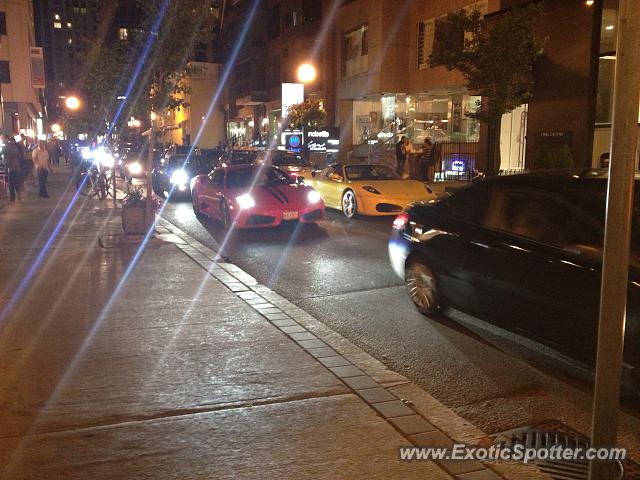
<point>355,52</point>
<point>217,178</point>
<point>246,177</point>
<point>469,204</point>
<point>370,172</point>
<point>3,23</point>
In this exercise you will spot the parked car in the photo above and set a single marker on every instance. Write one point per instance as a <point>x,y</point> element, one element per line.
<point>174,174</point>
<point>522,251</point>
<point>237,157</point>
<point>291,162</point>
<point>135,162</point>
<point>249,196</point>
<point>367,189</point>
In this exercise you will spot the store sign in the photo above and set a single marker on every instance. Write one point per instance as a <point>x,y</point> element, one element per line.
<point>37,67</point>
<point>292,94</point>
<point>292,140</point>
<point>323,140</point>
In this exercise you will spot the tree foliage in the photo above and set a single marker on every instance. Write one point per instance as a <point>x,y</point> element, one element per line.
<point>306,114</point>
<point>496,57</point>
<point>163,80</point>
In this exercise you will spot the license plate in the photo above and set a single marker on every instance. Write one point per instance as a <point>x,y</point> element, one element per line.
<point>289,215</point>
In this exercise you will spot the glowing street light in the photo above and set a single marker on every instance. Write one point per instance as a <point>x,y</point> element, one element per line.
<point>306,73</point>
<point>55,128</point>
<point>72,103</point>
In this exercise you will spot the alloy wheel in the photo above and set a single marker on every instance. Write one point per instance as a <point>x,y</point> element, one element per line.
<point>421,287</point>
<point>349,206</point>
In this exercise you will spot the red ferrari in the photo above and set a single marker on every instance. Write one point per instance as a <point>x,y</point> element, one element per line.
<point>249,196</point>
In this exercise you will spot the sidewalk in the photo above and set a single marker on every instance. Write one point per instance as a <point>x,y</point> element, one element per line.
<point>119,363</point>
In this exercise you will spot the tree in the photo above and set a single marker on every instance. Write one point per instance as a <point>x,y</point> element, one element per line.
<point>161,47</point>
<point>306,114</point>
<point>496,58</point>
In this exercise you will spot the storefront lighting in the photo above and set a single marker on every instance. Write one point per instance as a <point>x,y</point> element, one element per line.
<point>609,27</point>
<point>265,122</point>
<point>55,128</point>
<point>251,124</point>
<point>588,3</point>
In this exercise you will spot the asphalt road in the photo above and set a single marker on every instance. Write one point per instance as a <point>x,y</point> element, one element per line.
<point>339,271</point>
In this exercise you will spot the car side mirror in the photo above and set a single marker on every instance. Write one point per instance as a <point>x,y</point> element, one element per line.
<point>300,180</point>
<point>590,253</point>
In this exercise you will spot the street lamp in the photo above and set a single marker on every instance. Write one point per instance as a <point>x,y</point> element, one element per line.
<point>72,103</point>
<point>306,73</point>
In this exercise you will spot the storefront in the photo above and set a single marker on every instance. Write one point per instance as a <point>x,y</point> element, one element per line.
<point>441,118</point>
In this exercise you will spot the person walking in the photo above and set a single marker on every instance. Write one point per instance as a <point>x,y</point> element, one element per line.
<point>401,155</point>
<point>41,161</point>
<point>427,160</point>
<point>10,153</point>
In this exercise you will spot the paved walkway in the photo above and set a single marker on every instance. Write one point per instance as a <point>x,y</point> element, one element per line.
<point>120,361</point>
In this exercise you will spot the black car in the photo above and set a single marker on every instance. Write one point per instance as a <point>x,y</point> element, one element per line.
<point>523,251</point>
<point>237,157</point>
<point>175,172</point>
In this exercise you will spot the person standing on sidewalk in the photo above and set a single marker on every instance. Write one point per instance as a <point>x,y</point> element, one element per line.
<point>401,155</point>
<point>41,162</point>
<point>12,162</point>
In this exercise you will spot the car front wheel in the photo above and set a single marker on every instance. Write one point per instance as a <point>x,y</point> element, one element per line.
<point>422,287</point>
<point>349,204</point>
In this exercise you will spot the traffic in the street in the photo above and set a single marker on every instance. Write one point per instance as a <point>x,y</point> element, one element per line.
<point>320,239</point>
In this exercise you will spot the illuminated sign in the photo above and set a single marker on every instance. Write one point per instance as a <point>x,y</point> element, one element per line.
<point>292,94</point>
<point>323,140</point>
<point>37,67</point>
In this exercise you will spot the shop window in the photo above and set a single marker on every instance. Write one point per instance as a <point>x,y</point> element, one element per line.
<point>604,99</point>
<point>425,42</point>
<point>3,23</point>
<point>123,34</point>
<point>5,73</point>
<point>292,19</point>
<point>355,52</point>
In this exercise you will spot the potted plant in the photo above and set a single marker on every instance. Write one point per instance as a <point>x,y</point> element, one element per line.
<point>133,213</point>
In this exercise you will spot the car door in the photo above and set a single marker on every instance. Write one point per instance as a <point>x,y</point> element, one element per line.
<point>214,193</point>
<point>537,283</point>
<point>330,183</point>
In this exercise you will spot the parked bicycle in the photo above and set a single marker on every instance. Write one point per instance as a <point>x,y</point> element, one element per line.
<point>96,179</point>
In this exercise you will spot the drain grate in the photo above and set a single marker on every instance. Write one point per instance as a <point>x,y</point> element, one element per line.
<point>555,433</point>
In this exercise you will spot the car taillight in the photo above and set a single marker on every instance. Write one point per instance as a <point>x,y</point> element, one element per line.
<point>400,223</point>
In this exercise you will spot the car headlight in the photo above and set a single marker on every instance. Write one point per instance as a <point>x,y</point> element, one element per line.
<point>105,159</point>
<point>179,177</point>
<point>371,190</point>
<point>245,201</point>
<point>86,154</point>
<point>135,168</point>
<point>313,197</point>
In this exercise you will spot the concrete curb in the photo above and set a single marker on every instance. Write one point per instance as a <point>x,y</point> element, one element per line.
<point>419,417</point>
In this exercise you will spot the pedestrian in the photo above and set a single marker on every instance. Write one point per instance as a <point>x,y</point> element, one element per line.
<point>427,160</point>
<point>41,161</point>
<point>54,151</point>
<point>401,155</point>
<point>11,153</point>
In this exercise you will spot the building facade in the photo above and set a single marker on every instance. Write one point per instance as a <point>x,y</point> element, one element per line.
<point>67,30</point>
<point>21,70</point>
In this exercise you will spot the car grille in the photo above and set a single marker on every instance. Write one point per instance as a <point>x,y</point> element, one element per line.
<point>260,220</point>
<point>313,216</point>
<point>388,208</point>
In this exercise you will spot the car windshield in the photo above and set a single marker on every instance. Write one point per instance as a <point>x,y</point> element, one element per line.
<point>370,172</point>
<point>240,158</point>
<point>257,176</point>
<point>286,158</point>
<point>177,161</point>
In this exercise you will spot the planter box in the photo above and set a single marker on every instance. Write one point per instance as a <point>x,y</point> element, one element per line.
<point>133,220</point>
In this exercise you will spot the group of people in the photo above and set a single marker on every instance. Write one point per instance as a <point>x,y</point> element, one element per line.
<point>427,159</point>
<point>23,158</point>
